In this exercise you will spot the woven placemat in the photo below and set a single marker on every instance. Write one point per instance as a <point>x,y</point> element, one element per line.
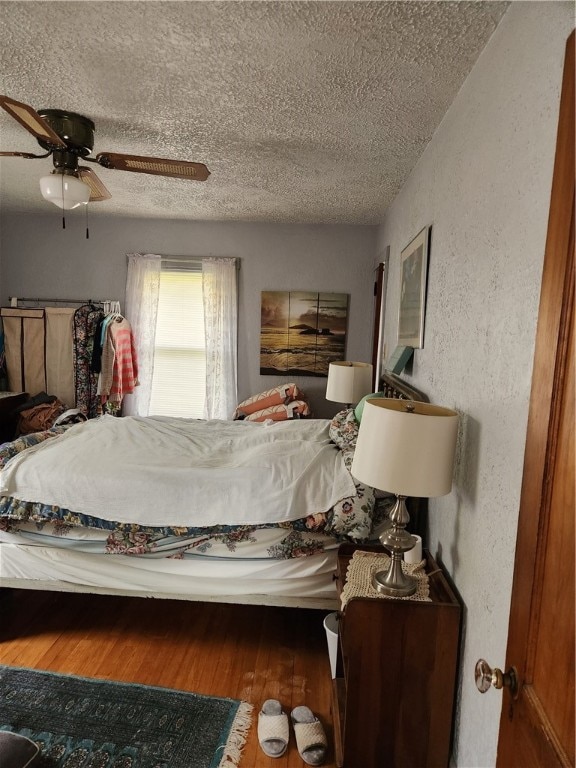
<point>363,565</point>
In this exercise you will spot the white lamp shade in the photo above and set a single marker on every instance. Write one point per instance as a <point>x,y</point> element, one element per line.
<point>403,452</point>
<point>64,191</point>
<point>348,382</point>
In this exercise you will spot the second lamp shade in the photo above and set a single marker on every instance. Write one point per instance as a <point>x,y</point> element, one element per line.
<point>348,382</point>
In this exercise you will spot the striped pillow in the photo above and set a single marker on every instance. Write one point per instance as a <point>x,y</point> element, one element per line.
<point>297,409</point>
<point>280,395</point>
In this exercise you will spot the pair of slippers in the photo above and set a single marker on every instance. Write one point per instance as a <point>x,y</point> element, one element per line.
<point>274,732</point>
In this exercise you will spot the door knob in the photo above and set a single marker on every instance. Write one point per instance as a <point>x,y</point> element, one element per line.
<point>487,677</point>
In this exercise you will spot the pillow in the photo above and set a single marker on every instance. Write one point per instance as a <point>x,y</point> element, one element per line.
<point>359,410</point>
<point>280,395</point>
<point>297,409</point>
<point>343,430</point>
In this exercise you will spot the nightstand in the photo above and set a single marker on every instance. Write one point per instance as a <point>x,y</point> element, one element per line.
<point>393,696</point>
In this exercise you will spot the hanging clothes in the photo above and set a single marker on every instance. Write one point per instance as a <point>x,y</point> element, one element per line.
<point>111,311</point>
<point>86,319</point>
<point>119,374</point>
<point>96,364</point>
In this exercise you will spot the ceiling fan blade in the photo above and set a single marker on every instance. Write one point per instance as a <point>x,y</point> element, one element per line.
<point>27,155</point>
<point>178,169</point>
<point>31,120</point>
<point>98,191</point>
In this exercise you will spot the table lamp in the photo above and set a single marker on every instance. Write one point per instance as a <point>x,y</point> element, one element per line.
<point>348,382</point>
<point>406,448</point>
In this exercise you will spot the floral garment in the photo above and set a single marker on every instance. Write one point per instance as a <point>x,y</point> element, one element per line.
<point>86,323</point>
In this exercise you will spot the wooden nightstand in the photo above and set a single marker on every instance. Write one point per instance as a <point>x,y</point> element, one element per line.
<point>393,696</point>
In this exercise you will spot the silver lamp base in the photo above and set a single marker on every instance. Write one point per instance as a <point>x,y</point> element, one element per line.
<point>394,582</point>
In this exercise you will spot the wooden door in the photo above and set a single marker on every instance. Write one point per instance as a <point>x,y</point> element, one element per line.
<point>537,725</point>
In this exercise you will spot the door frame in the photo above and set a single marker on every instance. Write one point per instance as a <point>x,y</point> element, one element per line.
<point>555,313</point>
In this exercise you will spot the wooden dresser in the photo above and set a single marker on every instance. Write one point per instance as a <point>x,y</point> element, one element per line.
<point>393,696</point>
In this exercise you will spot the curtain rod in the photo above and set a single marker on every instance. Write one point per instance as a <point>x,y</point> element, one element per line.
<point>62,301</point>
<point>197,259</point>
<point>189,259</point>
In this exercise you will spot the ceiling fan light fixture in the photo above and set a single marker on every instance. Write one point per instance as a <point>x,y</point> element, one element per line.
<point>65,191</point>
<point>69,137</point>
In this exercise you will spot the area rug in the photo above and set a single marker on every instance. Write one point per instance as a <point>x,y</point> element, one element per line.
<point>87,723</point>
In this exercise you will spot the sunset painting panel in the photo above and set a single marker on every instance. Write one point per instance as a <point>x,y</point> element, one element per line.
<point>301,332</point>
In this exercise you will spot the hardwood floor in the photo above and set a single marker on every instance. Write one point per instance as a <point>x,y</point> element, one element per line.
<point>245,652</point>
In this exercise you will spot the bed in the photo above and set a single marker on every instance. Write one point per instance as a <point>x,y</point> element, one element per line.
<point>242,512</point>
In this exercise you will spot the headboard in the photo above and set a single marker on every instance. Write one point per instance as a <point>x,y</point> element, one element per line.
<point>393,386</point>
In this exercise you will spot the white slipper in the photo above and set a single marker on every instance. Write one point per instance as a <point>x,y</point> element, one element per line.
<point>273,729</point>
<point>310,737</point>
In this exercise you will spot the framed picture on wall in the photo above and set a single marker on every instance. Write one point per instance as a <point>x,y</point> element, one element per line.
<point>413,277</point>
<point>302,332</point>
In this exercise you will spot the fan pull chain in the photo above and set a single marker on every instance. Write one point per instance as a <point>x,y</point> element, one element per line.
<point>63,214</point>
<point>87,230</point>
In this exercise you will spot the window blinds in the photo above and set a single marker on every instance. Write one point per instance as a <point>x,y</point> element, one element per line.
<point>179,380</point>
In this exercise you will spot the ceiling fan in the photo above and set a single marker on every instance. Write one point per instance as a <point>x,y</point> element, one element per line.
<point>69,138</point>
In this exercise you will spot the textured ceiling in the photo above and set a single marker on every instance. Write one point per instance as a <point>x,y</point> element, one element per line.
<point>302,111</point>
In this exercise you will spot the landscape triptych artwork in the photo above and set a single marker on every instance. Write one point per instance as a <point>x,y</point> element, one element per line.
<point>302,332</point>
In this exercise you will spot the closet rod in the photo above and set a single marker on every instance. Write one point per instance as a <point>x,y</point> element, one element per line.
<point>61,301</point>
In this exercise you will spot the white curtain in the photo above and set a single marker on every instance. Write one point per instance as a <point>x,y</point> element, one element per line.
<point>219,287</point>
<point>142,290</point>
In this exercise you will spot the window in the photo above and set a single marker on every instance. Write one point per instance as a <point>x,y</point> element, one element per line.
<point>179,378</point>
<point>194,352</point>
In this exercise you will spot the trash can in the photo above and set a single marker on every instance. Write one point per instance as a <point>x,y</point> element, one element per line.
<point>331,627</point>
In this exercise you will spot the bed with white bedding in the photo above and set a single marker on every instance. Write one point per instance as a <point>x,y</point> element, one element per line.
<point>232,511</point>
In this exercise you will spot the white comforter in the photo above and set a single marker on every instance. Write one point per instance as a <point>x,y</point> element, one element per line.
<point>178,472</point>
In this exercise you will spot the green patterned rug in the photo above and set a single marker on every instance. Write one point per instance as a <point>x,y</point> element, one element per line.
<point>87,723</point>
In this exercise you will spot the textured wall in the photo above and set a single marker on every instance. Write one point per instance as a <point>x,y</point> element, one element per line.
<point>484,186</point>
<point>39,258</point>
